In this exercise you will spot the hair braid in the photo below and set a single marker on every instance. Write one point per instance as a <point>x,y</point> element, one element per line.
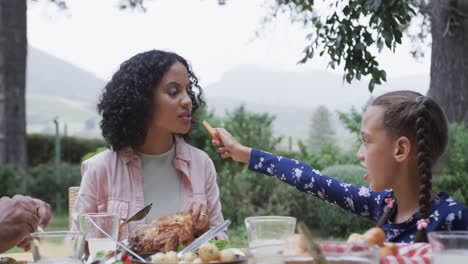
<point>424,167</point>
<point>384,217</point>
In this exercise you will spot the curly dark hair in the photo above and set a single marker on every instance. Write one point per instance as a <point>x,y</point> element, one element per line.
<point>127,100</point>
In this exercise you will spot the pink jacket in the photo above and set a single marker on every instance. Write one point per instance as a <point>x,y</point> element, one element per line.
<point>112,182</point>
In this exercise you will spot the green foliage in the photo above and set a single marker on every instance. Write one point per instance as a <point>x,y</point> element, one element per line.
<point>350,31</point>
<point>199,136</point>
<point>59,222</point>
<point>238,236</point>
<point>92,153</point>
<point>234,180</point>
<point>252,129</point>
<point>266,196</point>
<point>43,184</point>
<point>457,163</point>
<point>244,193</point>
<point>320,130</point>
<point>455,177</point>
<point>9,178</point>
<point>41,148</point>
<point>73,148</point>
<point>221,244</point>
<point>328,155</point>
<point>352,120</point>
<point>455,185</point>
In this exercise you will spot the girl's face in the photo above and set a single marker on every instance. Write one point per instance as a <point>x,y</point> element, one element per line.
<point>172,104</point>
<point>377,150</point>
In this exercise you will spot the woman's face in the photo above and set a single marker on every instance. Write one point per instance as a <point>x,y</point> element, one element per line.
<point>172,104</point>
<point>376,151</point>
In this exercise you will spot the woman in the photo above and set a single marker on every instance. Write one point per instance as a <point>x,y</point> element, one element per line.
<point>147,111</point>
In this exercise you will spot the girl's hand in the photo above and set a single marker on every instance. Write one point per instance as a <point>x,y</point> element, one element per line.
<point>229,147</point>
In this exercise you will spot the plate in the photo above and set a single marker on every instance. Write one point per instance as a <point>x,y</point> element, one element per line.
<point>239,261</point>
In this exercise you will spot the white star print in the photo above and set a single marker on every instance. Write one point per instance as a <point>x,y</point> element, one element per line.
<point>317,172</point>
<point>297,173</point>
<point>364,191</point>
<point>377,199</point>
<point>435,215</point>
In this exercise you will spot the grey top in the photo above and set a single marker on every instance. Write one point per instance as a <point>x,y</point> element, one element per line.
<point>162,184</point>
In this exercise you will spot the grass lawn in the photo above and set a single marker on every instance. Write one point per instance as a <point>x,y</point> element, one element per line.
<point>237,236</point>
<point>59,223</point>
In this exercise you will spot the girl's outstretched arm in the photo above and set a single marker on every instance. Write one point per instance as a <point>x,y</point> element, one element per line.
<point>358,199</point>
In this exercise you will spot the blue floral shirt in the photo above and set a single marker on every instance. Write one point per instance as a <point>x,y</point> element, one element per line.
<point>446,213</point>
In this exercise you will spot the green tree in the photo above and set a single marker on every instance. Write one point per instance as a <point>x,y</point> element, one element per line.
<point>13,52</point>
<point>454,179</point>
<point>354,31</point>
<point>244,193</point>
<point>12,85</point>
<point>320,129</point>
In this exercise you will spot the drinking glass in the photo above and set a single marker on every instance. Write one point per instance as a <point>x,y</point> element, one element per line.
<point>58,247</point>
<point>267,253</point>
<point>97,241</point>
<point>266,230</point>
<point>449,246</point>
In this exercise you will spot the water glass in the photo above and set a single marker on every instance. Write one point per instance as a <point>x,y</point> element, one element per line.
<point>449,246</point>
<point>266,230</point>
<point>267,254</point>
<point>58,247</point>
<point>98,241</point>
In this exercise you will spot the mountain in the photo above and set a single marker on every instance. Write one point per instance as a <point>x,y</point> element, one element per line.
<point>49,75</point>
<point>303,89</point>
<point>293,96</point>
<point>58,88</point>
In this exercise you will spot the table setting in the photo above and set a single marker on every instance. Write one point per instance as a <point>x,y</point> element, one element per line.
<point>271,240</point>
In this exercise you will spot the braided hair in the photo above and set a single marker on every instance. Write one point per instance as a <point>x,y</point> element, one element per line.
<point>422,121</point>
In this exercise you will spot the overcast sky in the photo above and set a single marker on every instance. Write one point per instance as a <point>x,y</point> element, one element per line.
<point>96,36</point>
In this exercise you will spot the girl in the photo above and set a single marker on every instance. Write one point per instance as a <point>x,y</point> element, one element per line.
<point>147,110</point>
<point>403,135</point>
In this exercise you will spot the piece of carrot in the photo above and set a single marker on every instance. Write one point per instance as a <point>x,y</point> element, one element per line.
<point>211,130</point>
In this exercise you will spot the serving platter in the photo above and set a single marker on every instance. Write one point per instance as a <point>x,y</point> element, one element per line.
<point>240,261</point>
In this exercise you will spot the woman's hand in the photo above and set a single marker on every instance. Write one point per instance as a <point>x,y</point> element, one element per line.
<point>200,217</point>
<point>229,147</point>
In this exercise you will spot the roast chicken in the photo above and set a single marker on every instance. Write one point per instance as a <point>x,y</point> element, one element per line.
<point>165,233</point>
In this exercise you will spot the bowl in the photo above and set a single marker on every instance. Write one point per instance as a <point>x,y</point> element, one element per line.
<point>264,230</point>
